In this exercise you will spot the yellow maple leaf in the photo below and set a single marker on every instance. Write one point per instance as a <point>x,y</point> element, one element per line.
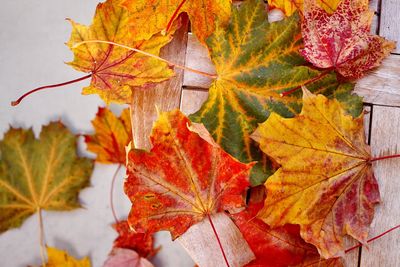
<point>115,70</point>
<point>152,16</point>
<point>325,183</point>
<point>112,135</point>
<point>290,6</point>
<point>60,258</point>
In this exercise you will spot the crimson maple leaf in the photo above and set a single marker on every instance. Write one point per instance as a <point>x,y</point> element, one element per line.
<point>342,41</point>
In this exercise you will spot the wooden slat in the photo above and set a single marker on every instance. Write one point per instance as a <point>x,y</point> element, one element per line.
<point>374,5</point>
<point>385,138</point>
<point>192,100</point>
<point>166,96</point>
<point>381,86</point>
<point>203,244</point>
<point>390,21</point>
<point>197,58</point>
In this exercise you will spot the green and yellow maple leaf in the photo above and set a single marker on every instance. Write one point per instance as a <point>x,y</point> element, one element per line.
<point>115,70</point>
<point>35,174</point>
<point>256,61</point>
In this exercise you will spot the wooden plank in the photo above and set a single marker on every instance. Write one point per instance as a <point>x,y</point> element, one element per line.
<point>390,21</point>
<point>374,5</point>
<point>165,96</point>
<point>203,244</point>
<point>197,58</point>
<point>385,139</point>
<point>192,100</point>
<point>381,86</point>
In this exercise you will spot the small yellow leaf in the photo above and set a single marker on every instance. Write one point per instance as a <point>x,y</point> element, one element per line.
<point>60,258</point>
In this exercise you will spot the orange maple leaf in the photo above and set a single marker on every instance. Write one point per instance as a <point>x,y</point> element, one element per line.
<point>152,16</point>
<point>112,135</point>
<point>342,41</point>
<point>290,6</point>
<point>325,183</point>
<point>115,70</point>
<point>183,179</point>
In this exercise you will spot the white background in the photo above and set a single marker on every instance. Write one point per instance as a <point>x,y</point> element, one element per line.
<point>32,54</point>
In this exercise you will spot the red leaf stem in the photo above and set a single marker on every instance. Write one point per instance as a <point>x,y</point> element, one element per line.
<point>219,241</point>
<point>14,103</point>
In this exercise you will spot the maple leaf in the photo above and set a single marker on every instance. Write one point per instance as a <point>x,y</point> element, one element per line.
<point>326,183</point>
<point>39,174</point>
<point>112,135</point>
<point>126,258</point>
<point>276,247</point>
<point>115,70</point>
<point>290,6</point>
<point>256,61</point>
<point>127,238</point>
<point>150,17</point>
<point>182,180</point>
<point>60,258</point>
<point>343,41</point>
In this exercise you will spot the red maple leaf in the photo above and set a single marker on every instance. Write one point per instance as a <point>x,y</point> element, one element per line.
<point>276,247</point>
<point>342,41</point>
<point>183,180</point>
<point>127,238</point>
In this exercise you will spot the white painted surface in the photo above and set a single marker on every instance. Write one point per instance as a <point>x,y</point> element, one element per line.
<point>32,52</point>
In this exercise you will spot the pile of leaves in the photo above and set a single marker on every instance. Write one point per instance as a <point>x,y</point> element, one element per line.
<point>278,146</point>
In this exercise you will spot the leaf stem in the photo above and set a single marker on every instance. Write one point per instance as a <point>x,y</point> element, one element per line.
<point>15,103</point>
<point>174,16</point>
<point>149,55</point>
<point>291,91</point>
<point>41,238</point>
<point>112,193</point>
<point>384,157</point>
<point>219,241</point>
<point>374,238</point>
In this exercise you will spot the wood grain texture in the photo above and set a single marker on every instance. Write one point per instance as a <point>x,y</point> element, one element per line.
<point>390,21</point>
<point>374,5</point>
<point>204,247</point>
<point>165,96</point>
<point>382,86</point>
<point>385,139</point>
<point>192,99</point>
<point>197,58</point>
